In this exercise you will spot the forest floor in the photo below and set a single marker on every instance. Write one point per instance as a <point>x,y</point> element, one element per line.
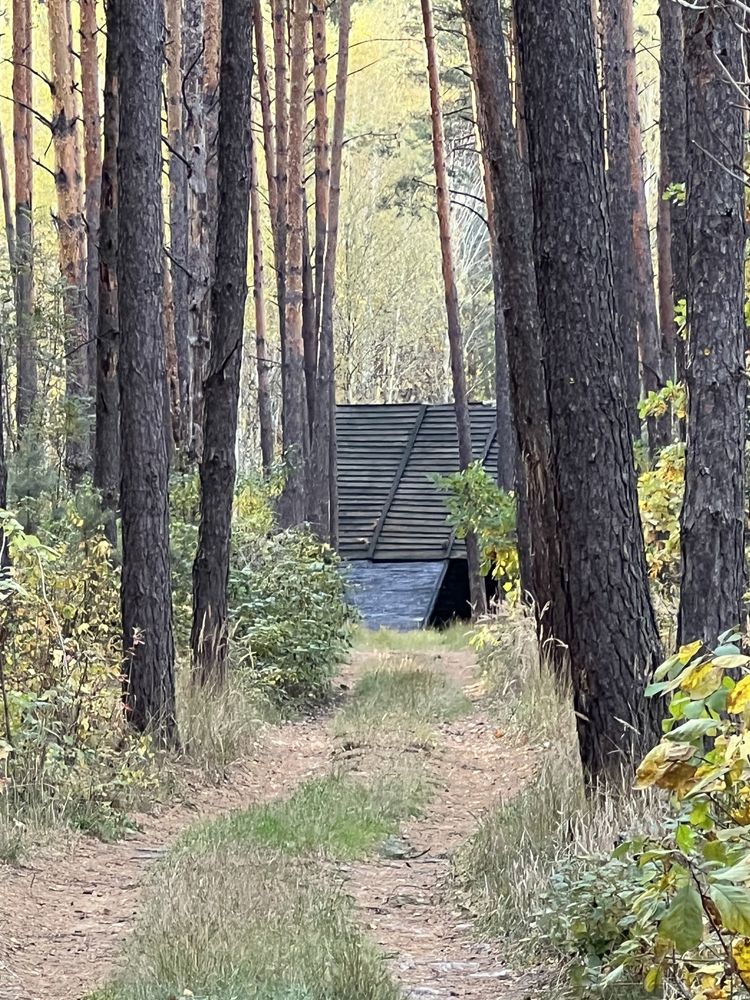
<point>65,917</point>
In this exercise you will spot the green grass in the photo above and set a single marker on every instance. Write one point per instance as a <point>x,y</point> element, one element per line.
<point>235,922</point>
<point>336,816</point>
<point>429,640</point>
<point>403,700</point>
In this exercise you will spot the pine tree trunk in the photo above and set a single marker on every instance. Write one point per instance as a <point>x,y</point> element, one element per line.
<point>295,422</point>
<point>322,148</point>
<point>455,335</point>
<point>506,435</point>
<point>323,448</point>
<point>265,410</point>
<point>107,443</point>
<point>211,99</point>
<point>92,144</point>
<point>309,330</point>
<point>621,196</point>
<point>146,584</point>
<point>178,207</point>
<point>672,230</point>
<point>71,235</point>
<point>603,612</point>
<point>269,142</point>
<point>281,89</point>
<point>199,267</point>
<point>510,183</point>
<point>7,194</point>
<point>713,515</point>
<point>23,143</point>
<point>222,387</point>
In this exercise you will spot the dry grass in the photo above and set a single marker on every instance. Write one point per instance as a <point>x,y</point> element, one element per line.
<point>428,640</point>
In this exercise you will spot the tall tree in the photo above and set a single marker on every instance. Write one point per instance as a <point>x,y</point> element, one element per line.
<point>322,147</point>
<point>178,207</point>
<point>279,13</point>
<point>602,600</point>
<point>506,450</point>
<point>713,514</point>
<point>621,197</point>
<point>323,461</point>
<point>455,335</point>
<point>199,265</point>
<point>146,585</point>
<point>222,385</point>
<point>92,146</point>
<point>107,442</point>
<point>509,179</point>
<point>71,235</point>
<point>672,233</point>
<point>23,146</point>
<point>295,421</point>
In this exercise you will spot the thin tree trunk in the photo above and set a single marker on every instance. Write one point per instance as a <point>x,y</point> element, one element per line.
<point>269,143</point>
<point>648,318</point>
<point>510,186</point>
<point>10,236</point>
<point>107,443</point>
<point>71,235</point>
<point>324,450</point>
<point>10,229</point>
<point>199,268</point>
<point>178,210</point>
<point>265,410</point>
<point>322,148</point>
<point>506,437</point>
<point>146,586</point>
<point>295,424</point>
<point>222,388</point>
<point>281,86</point>
<point>211,99</point>
<point>621,195</point>
<point>23,143</point>
<point>309,329</point>
<point>713,515</point>
<point>672,229</point>
<point>455,335</point>
<point>92,144</point>
<point>603,601</point>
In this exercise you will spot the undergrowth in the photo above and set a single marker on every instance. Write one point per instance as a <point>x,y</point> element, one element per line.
<point>429,640</point>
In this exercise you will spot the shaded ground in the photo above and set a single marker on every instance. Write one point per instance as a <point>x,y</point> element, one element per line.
<point>63,920</point>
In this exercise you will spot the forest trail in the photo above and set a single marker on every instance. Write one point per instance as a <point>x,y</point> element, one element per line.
<point>65,918</point>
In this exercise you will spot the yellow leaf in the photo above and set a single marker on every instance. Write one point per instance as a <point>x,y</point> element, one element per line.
<point>739,697</point>
<point>702,680</point>
<point>686,653</point>
<point>666,766</point>
<point>731,662</point>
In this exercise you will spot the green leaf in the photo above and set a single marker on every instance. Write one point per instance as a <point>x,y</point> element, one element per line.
<point>682,924</point>
<point>685,838</point>
<point>693,729</point>
<point>733,904</point>
<point>739,872</point>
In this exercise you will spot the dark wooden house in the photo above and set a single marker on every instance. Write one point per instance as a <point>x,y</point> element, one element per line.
<point>405,565</point>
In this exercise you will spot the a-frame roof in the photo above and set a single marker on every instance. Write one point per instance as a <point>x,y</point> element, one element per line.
<point>390,509</point>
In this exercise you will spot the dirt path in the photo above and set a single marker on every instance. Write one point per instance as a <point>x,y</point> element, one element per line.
<point>63,921</point>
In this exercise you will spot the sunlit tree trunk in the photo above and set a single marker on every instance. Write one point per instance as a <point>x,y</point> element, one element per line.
<point>71,234</point>
<point>107,443</point>
<point>295,424</point>
<point>178,210</point>
<point>23,148</point>
<point>323,461</point>
<point>222,386</point>
<point>455,336</point>
<point>92,145</point>
<point>602,599</point>
<point>713,514</point>
<point>281,92</point>
<point>322,147</point>
<point>146,585</point>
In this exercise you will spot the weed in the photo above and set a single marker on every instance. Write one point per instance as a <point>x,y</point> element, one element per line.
<point>429,640</point>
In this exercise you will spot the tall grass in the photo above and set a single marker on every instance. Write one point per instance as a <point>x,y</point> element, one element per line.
<point>429,640</point>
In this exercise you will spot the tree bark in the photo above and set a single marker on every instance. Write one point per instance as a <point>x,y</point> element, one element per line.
<point>510,184</point>
<point>265,410</point>
<point>222,386</point>
<point>324,451</point>
<point>178,210</point>
<point>107,443</point>
<point>455,335</point>
<point>92,145</point>
<point>281,89</point>
<point>7,194</point>
<point>506,435</point>
<point>672,228</point>
<point>146,586</point>
<point>615,57</point>
<point>199,267</point>
<point>322,148</point>
<point>71,235</point>
<point>23,147</point>
<point>211,99</point>
<point>295,423</point>
<point>713,515</point>
<point>309,329</point>
<point>603,601</point>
